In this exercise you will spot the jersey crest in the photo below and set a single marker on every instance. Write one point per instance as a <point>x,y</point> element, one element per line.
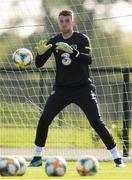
<point>74,46</point>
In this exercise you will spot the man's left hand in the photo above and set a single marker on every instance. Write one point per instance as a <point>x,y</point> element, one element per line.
<point>64,47</point>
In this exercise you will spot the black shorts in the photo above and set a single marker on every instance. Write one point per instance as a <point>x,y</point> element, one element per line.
<point>62,97</point>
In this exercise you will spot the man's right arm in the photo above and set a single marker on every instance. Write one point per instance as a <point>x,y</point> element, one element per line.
<point>44,51</point>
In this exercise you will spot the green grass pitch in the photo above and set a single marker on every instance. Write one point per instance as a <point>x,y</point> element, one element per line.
<point>107,171</point>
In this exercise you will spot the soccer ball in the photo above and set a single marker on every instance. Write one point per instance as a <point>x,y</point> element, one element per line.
<point>9,166</point>
<point>87,166</point>
<point>55,166</point>
<point>23,166</point>
<point>22,57</point>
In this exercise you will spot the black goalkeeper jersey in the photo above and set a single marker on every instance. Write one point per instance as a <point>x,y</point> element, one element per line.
<point>71,70</point>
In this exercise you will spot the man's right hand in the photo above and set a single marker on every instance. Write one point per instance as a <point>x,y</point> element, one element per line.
<point>41,48</point>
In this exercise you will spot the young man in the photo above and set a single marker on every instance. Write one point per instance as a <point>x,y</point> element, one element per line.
<point>72,84</point>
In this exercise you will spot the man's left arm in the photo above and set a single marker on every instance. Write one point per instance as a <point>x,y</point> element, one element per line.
<point>84,51</point>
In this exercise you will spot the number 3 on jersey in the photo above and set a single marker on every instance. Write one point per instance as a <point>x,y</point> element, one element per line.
<point>66,60</point>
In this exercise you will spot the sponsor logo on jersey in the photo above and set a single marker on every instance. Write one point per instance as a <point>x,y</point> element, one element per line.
<point>66,60</point>
<point>74,46</point>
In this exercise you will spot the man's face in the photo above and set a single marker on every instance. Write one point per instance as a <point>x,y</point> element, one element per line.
<point>65,23</point>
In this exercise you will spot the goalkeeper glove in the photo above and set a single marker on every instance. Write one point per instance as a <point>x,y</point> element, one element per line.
<point>64,47</point>
<point>42,47</point>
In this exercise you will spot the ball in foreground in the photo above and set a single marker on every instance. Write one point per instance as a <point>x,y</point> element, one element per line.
<point>55,166</point>
<point>23,166</point>
<point>22,57</point>
<point>87,166</point>
<point>9,166</point>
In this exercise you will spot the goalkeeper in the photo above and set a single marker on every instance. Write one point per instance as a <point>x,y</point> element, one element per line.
<point>72,84</point>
